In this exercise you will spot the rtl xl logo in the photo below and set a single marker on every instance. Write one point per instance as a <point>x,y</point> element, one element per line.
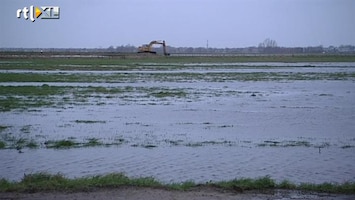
<point>43,12</point>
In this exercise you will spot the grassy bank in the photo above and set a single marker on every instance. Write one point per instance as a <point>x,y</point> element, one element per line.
<point>46,182</point>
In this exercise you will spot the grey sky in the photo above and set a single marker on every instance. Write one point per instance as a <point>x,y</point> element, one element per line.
<point>225,23</point>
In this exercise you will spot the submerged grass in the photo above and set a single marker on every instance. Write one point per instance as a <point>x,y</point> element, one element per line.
<point>60,144</point>
<point>164,94</point>
<point>70,143</point>
<point>168,77</point>
<point>91,142</point>
<point>2,128</point>
<point>10,142</point>
<point>89,121</point>
<point>47,182</point>
<point>25,97</point>
<point>291,143</point>
<point>2,145</point>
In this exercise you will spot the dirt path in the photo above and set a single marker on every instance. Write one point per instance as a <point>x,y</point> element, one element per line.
<point>130,193</point>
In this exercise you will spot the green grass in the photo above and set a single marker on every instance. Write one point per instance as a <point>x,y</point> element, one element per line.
<point>32,144</point>
<point>11,103</point>
<point>2,145</point>
<point>249,184</point>
<point>43,90</point>
<point>47,182</point>
<point>347,146</point>
<point>168,93</point>
<point>12,142</point>
<point>70,143</point>
<point>2,128</point>
<point>127,63</point>
<point>59,144</point>
<point>345,188</point>
<point>89,121</point>
<point>290,143</point>
<point>182,186</point>
<point>25,97</point>
<point>91,142</point>
<point>168,77</point>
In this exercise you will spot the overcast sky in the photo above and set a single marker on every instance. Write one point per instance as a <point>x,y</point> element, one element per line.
<point>181,23</point>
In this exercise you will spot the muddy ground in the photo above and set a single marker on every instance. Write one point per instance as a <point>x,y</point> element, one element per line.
<point>205,193</point>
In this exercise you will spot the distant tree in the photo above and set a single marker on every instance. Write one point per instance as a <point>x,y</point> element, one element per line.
<point>268,43</point>
<point>111,48</point>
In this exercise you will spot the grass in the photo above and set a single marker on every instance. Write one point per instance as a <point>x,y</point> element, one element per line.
<point>91,142</point>
<point>248,184</point>
<point>291,143</point>
<point>164,94</point>
<point>125,63</point>
<point>9,141</point>
<point>169,77</point>
<point>32,144</point>
<point>347,146</point>
<point>47,182</point>
<point>25,97</point>
<point>2,128</point>
<point>2,145</point>
<point>10,103</point>
<point>59,144</point>
<point>70,143</point>
<point>89,121</point>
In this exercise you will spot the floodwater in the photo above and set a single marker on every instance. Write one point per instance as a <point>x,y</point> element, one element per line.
<point>299,130</point>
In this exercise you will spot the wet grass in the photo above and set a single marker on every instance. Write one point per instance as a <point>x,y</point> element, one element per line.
<point>26,141</point>
<point>248,184</point>
<point>44,90</point>
<point>89,121</point>
<point>134,63</point>
<point>8,141</point>
<point>207,143</point>
<point>2,144</point>
<point>346,188</point>
<point>91,142</point>
<point>32,144</point>
<point>291,143</point>
<point>25,97</point>
<point>32,77</point>
<point>39,182</point>
<point>71,143</point>
<point>11,103</point>
<point>164,94</point>
<point>2,128</point>
<point>47,182</point>
<point>347,146</point>
<point>169,77</point>
<point>60,144</point>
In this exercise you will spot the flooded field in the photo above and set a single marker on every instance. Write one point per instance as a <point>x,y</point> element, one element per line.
<point>178,122</point>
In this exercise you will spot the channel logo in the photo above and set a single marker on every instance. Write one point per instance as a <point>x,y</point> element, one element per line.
<point>41,12</point>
